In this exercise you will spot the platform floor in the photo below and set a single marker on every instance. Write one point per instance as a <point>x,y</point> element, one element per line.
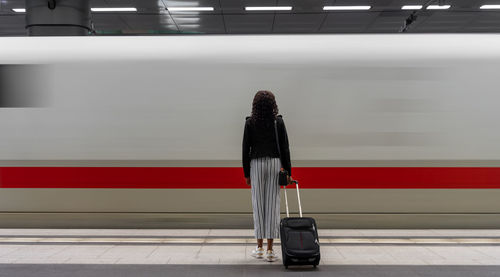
<point>123,252</point>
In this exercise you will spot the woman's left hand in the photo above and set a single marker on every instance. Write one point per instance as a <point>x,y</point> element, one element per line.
<point>248,181</point>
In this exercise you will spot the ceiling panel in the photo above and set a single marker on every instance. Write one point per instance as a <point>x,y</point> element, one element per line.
<point>300,6</point>
<point>109,23</point>
<point>197,3</point>
<point>212,23</point>
<point>146,6</point>
<point>238,6</point>
<point>302,23</point>
<point>249,23</point>
<point>484,22</point>
<point>307,16</point>
<point>12,25</point>
<point>445,22</point>
<point>6,6</point>
<point>388,22</point>
<point>488,18</point>
<point>358,21</point>
<point>149,24</point>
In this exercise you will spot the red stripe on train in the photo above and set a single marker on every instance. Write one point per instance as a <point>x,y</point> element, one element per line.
<point>232,177</point>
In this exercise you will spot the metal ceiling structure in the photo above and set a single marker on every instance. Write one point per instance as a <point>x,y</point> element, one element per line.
<point>306,16</point>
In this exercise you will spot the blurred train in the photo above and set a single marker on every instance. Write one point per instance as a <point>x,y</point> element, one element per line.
<point>386,131</point>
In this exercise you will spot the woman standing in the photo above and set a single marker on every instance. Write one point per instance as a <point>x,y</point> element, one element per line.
<point>261,166</point>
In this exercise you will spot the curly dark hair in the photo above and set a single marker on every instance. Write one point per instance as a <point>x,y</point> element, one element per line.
<point>264,108</point>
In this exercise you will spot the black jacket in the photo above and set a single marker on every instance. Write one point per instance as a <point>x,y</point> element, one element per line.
<point>260,141</point>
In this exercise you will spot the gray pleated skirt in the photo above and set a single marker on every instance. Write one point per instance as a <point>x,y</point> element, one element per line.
<point>264,174</point>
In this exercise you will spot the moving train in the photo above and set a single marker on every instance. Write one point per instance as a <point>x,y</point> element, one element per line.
<point>386,131</point>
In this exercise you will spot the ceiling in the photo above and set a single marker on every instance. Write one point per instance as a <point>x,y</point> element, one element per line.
<point>307,16</point>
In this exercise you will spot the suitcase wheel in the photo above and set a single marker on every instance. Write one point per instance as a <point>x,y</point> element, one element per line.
<point>316,263</point>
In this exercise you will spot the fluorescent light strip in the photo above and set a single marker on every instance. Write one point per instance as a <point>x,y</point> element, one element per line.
<point>344,8</point>
<point>490,7</point>
<point>19,10</point>
<point>190,9</point>
<point>438,7</point>
<point>276,8</point>
<point>126,9</point>
<point>411,7</point>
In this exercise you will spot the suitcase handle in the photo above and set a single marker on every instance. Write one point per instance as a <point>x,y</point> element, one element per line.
<point>298,198</point>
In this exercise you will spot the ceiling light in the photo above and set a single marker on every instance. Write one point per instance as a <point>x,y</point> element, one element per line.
<point>125,9</point>
<point>19,10</point>
<point>490,7</point>
<point>269,8</point>
<point>438,7</point>
<point>190,9</point>
<point>411,7</point>
<point>343,8</point>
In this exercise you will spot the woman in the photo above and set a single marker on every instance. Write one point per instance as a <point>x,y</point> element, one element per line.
<point>261,166</point>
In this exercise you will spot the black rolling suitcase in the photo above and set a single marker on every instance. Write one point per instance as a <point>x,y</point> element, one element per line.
<point>299,238</point>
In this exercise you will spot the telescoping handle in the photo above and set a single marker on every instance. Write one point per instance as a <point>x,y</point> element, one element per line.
<point>298,198</point>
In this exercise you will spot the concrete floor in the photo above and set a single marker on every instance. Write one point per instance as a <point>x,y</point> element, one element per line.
<point>28,270</point>
<point>111,252</point>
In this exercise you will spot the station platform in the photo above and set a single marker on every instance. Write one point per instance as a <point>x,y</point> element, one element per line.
<point>221,252</point>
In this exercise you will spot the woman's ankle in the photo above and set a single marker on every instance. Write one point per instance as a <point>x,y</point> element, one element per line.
<point>260,243</point>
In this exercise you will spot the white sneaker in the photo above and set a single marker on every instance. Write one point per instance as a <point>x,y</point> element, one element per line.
<point>258,253</point>
<point>270,256</point>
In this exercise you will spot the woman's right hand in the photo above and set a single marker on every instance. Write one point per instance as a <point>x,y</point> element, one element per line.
<point>248,180</point>
<point>290,180</point>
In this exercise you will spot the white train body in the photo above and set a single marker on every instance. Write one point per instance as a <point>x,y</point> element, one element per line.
<point>347,100</point>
